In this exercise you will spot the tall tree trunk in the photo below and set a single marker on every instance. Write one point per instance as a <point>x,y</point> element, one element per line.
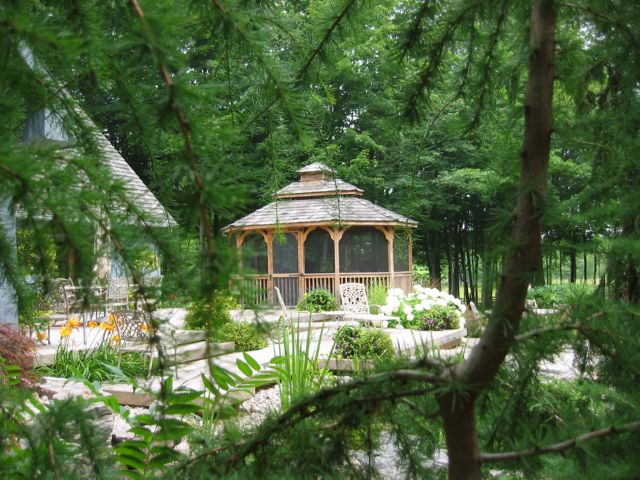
<point>435,270</point>
<point>538,276</point>
<point>560,262</point>
<point>487,277</point>
<point>458,410</point>
<point>449,265</point>
<point>584,266</point>
<point>573,262</point>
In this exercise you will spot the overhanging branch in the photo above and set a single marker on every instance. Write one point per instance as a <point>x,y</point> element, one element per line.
<point>560,446</point>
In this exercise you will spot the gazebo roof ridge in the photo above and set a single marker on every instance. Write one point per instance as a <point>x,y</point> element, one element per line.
<point>316,167</point>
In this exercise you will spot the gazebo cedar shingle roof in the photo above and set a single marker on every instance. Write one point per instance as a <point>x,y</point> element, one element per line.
<point>316,199</point>
<point>334,210</point>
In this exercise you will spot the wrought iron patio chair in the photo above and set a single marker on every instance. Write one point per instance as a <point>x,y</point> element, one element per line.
<point>354,301</point>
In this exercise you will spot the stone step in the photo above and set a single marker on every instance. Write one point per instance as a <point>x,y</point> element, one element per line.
<point>191,352</point>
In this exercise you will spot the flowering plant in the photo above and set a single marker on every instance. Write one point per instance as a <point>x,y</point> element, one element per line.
<point>423,309</point>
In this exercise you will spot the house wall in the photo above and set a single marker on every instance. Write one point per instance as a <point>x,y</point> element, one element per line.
<point>8,307</point>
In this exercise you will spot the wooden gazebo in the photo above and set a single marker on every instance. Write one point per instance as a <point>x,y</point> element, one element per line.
<point>320,233</point>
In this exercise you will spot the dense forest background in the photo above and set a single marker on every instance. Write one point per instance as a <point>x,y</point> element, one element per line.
<point>432,134</point>
<point>423,105</point>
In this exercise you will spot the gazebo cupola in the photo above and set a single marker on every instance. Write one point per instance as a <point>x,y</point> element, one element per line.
<point>327,234</point>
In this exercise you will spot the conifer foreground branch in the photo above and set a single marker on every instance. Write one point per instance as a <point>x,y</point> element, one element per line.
<point>317,403</point>
<point>560,446</point>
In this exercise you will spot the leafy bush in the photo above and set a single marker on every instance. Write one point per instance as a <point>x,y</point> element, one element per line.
<point>317,301</point>
<point>550,296</point>
<point>377,296</point>
<point>423,309</point>
<point>212,314</point>
<point>96,364</point>
<point>16,350</point>
<point>420,274</point>
<point>246,336</point>
<point>362,343</point>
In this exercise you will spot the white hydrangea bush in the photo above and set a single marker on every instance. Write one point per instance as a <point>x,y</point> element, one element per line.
<point>424,309</point>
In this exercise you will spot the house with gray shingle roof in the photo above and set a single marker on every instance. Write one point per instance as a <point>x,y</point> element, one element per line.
<point>319,233</point>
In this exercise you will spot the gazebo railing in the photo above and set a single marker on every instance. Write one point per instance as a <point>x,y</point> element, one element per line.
<point>258,289</point>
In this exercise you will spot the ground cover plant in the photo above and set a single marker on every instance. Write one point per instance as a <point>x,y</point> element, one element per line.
<point>98,363</point>
<point>363,343</point>
<point>317,300</point>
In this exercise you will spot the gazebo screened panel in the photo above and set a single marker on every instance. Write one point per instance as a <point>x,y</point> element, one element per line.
<point>254,254</point>
<point>363,249</point>
<point>319,255</point>
<point>285,253</point>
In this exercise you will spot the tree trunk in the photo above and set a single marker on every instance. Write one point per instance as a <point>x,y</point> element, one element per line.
<point>435,270</point>
<point>520,263</point>
<point>463,449</point>
<point>560,262</point>
<point>487,278</point>
<point>573,261</point>
<point>538,276</point>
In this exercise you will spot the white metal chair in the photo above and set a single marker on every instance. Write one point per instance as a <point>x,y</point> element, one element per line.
<point>353,297</point>
<point>118,293</point>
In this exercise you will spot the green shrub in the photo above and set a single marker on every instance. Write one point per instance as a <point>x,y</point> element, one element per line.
<point>440,317</point>
<point>93,365</point>
<point>246,336</point>
<point>362,343</point>
<point>377,296</point>
<point>420,274</point>
<point>317,301</point>
<point>550,296</point>
<point>212,314</point>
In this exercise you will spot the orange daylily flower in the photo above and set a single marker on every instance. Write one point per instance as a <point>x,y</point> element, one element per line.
<point>92,324</point>
<point>144,327</point>
<point>42,336</point>
<point>112,318</point>
<point>116,339</point>
<point>75,322</point>
<point>65,331</point>
<point>106,326</point>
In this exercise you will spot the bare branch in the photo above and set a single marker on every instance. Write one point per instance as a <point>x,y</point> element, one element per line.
<point>560,446</point>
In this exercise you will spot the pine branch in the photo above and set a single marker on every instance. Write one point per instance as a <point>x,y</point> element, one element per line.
<point>560,446</point>
<point>319,402</point>
<point>326,37</point>
<point>607,18</point>
<point>488,62</point>
<point>314,53</point>
<point>186,135</point>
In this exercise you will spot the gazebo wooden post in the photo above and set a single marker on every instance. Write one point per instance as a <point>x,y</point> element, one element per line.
<point>301,236</point>
<point>337,236</point>
<point>390,238</point>
<point>268,237</point>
